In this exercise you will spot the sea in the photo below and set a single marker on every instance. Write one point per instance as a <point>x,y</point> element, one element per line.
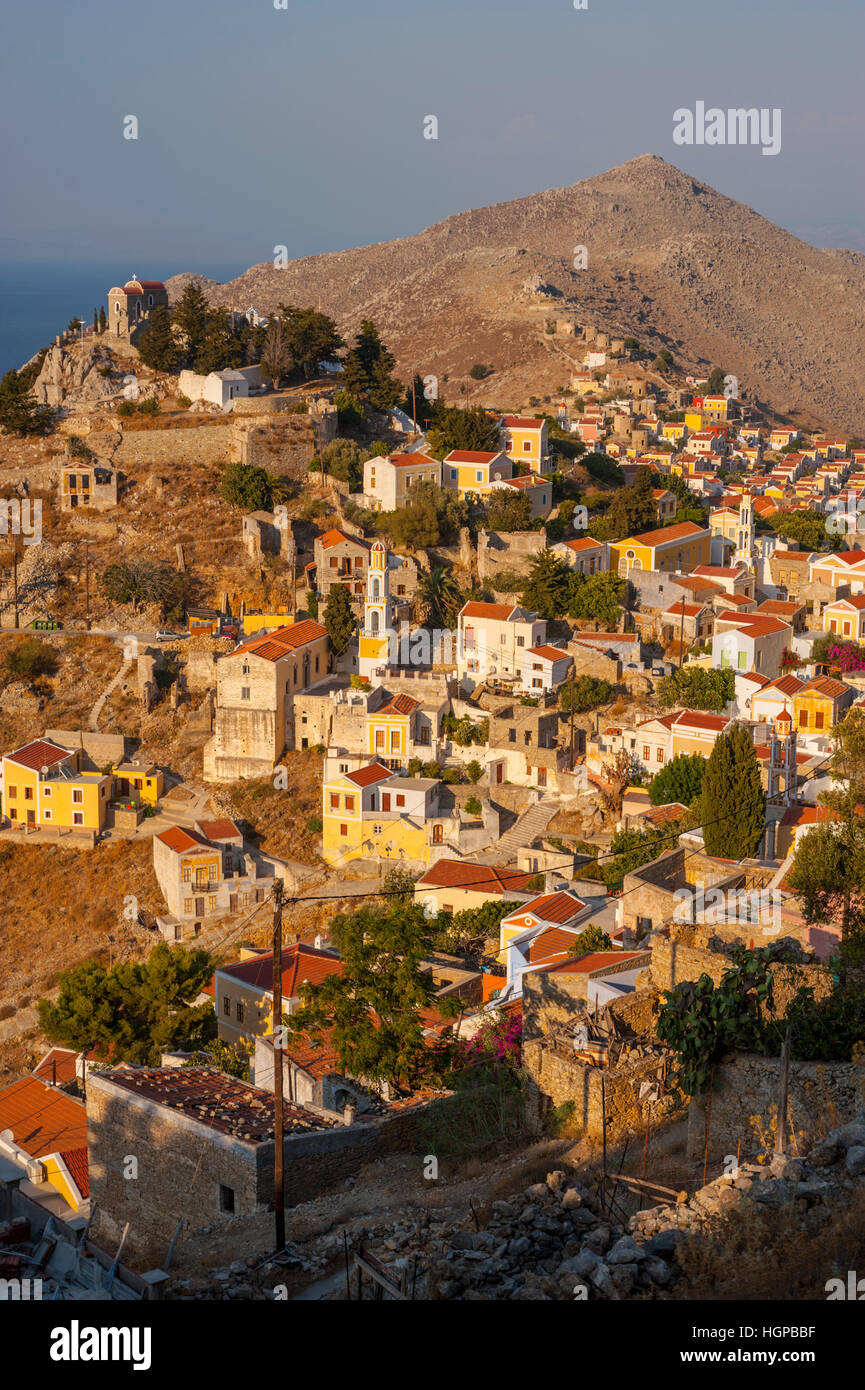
<point>38,298</point>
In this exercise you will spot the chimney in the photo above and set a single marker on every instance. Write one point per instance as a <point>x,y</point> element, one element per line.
<point>348,1114</point>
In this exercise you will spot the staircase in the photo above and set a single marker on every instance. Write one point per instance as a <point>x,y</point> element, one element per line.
<point>529,827</point>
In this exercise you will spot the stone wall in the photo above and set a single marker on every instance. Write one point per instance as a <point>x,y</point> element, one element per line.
<point>512,550</point>
<point>181,1164</point>
<point>556,1080</point>
<point>101,749</point>
<point>745,1095</point>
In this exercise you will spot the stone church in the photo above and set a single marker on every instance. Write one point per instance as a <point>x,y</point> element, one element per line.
<point>130,305</point>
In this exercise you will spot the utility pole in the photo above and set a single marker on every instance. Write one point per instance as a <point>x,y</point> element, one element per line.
<point>87,581</point>
<point>682,635</point>
<point>15,577</point>
<point>572,719</point>
<point>413,403</point>
<point>278,1125</point>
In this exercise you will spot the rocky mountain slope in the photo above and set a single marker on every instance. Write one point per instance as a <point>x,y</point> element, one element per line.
<point>669,260</point>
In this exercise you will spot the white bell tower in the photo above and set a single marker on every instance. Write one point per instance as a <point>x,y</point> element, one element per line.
<point>377,613</point>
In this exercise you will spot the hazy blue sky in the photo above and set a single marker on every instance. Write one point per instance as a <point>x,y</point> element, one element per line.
<point>303,126</point>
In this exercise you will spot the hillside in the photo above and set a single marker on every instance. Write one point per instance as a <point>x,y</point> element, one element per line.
<point>670,260</point>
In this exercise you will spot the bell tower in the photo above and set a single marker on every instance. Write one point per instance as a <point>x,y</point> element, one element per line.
<point>377,613</point>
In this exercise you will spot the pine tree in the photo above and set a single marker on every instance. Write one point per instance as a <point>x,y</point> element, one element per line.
<point>19,412</point>
<point>548,586</point>
<point>156,344</point>
<point>190,316</point>
<point>732,806</point>
<point>221,347</point>
<point>339,619</point>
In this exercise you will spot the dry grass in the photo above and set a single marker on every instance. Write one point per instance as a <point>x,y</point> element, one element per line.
<point>278,818</point>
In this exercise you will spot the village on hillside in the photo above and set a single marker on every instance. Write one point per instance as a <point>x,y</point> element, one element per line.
<point>432,828</point>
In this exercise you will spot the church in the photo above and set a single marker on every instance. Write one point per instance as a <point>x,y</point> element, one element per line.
<point>130,305</point>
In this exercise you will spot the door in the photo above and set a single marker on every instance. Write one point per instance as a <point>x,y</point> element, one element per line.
<point>499,772</point>
<point>385,801</point>
<point>31,817</point>
<point>232,902</point>
<point>199,907</point>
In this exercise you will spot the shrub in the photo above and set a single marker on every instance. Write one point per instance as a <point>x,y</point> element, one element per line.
<point>148,407</point>
<point>473,806</point>
<point>474,771</point>
<point>314,825</point>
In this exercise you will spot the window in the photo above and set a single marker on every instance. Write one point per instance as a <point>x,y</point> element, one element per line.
<point>226,1005</point>
<point>512,735</point>
<point>28,794</point>
<point>244,692</point>
<point>803,719</point>
<point>46,791</point>
<point>238,1011</point>
<point>77,817</point>
<point>453,475</point>
<point>527,446</point>
<point>647,752</point>
<point>46,815</point>
<point>521,641</point>
<point>349,803</point>
<point>187,873</point>
<point>12,792</point>
<point>376,830</point>
<point>343,830</point>
<point>77,795</point>
<point>213,872</point>
<point>659,755</point>
<point>334,801</point>
<point>334,562</point>
<point>358,562</point>
<point>226,1198</point>
<point>479,477</point>
<point>818,719</point>
<point>400,799</point>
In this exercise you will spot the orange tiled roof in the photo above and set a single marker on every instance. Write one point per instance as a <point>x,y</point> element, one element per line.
<point>38,754</point>
<point>367,776</point>
<point>301,964</point>
<point>42,1120</point>
<point>481,878</point>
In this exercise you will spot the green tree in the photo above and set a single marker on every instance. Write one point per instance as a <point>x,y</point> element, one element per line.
<point>597,598</point>
<point>222,348</point>
<point>732,807</point>
<point>372,1011</point>
<point>30,659</point>
<point>190,317</point>
<point>634,509</point>
<point>369,369</point>
<point>453,428</point>
<point>342,459</point>
<point>276,356</point>
<point>250,487</point>
<point>156,345</point>
<point>474,771</point>
<point>339,619</point>
<point>312,337</point>
<point>829,868</point>
<point>509,511</point>
<point>694,687</point>
<point>808,528</point>
<point>716,381</point>
<point>440,595</point>
<point>134,1011</point>
<point>548,586</point>
<point>139,580</point>
<point>432,515</point>
<point>681,780</point>
<point>19,412</point>
<point>103,320</point>
<point>603,469</point>
<point>585,693</point>
<point>593,938</point>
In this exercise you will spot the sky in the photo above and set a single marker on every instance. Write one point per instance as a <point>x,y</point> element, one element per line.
<point>304,126</point>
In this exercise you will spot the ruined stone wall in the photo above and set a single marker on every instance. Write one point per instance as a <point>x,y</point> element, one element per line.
<point>511,550</point>
<point>745,1095</point>
<point>556,1080</point>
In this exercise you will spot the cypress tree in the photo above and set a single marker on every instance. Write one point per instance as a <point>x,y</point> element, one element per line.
<point>732,805</point>
<point>156,344</point>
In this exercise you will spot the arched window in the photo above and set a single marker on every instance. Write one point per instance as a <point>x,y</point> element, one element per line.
<point>375,591</point>
<point>373,620</point>
<point>150,301</point>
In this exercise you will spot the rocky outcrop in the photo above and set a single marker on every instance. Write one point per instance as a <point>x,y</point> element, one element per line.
<point>77,375</point>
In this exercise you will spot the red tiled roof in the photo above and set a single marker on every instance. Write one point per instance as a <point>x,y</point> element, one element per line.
<point>219,829</point>
<point>679,532</point>
<point>79,1171</point>
<point>552,942</point>
<point>400,704</point>
<point>584,543</point>
<point>38,754</point>
<point>550,653</point>
<point>521,422</point>
<point>179,839</point>
<point>594,963</point>
<point>335,537</point>
<point>410,460</point>
<point>481,878</point>
<point>273,645</point>
<point>498,612</point>
<point>695,719</point>
<point>58,1066</point>
<point>42,1119</point>
<point>551,907</point>
<point>763,627</point>
<point>471,456</point>
<point>662,815</point>
<point>301,964</point>
<point>367,776</point>
<point>825,685</point>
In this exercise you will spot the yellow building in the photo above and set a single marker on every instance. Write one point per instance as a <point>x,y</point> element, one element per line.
<point>694,419</point>
<point>259,622</point>
<point>374,813</point>
<point>674,430</point>
<point>472,472</point>
<point>820,704</point>
<point>389,729</point>
<point>676,549</point>
<point>43,788</point>
<point>141,781</point>
<point>846,617</point>
<point>525,440</point>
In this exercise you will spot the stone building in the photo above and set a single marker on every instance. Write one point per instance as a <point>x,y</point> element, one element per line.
<point>267,533</point>
<point>205,872</point>
<point>255,687</point>
<point>87,484</point>
<point>130,306</point>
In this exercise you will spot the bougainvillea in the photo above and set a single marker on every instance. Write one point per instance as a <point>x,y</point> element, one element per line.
<point>847,657</point>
